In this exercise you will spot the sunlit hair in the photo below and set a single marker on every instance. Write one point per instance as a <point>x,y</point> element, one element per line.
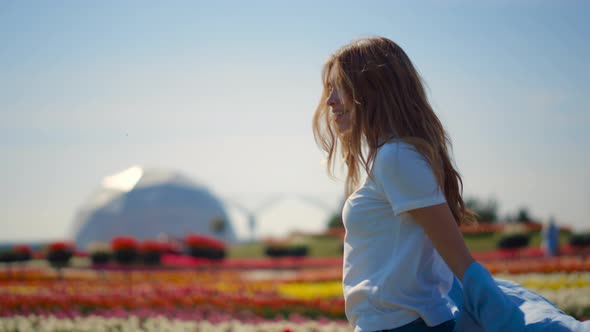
<point>387,100</point>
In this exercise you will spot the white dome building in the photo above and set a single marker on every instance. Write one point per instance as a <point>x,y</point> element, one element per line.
<point>148,204</point>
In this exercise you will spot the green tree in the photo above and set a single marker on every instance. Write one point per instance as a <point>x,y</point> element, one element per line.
<point>523,215</point>
<point>335,221</point>
<point>486,211</point>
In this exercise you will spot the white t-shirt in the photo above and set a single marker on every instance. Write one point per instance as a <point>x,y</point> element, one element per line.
<point>392,273</point>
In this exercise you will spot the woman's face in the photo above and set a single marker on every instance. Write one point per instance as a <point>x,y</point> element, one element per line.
<point>339,106</point>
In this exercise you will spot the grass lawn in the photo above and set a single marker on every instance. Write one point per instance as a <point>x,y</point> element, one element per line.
<point>486,242</point>
<point>330,246</point>
<point>318,247</point>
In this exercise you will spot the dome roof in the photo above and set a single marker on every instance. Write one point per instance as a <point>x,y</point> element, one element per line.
<point>149,203</point>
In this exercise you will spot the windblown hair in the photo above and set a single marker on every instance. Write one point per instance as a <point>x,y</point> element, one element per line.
<point>387,101</point>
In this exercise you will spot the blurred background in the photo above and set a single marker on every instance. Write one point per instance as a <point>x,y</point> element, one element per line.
<point>224,93</point>
<point>178,117</point>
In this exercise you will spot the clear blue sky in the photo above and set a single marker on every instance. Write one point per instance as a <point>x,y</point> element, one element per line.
<point>224,92</point>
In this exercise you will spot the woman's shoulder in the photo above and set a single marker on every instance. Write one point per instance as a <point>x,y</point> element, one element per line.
<point>395,149</point>
<point>399,157</point>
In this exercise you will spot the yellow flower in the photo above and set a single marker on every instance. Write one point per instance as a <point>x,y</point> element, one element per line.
<point>311,290</point>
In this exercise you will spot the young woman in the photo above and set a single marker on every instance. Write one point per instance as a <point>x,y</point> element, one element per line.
<point>403,247</point>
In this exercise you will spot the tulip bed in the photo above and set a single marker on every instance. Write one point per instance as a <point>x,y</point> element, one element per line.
<point>188,299</point>
<point>568,291</point>
<point>230,296</point>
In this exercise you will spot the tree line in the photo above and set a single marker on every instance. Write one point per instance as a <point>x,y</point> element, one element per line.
<point>487,211</point>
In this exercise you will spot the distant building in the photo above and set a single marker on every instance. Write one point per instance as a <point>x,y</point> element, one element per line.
<point>148,204</point>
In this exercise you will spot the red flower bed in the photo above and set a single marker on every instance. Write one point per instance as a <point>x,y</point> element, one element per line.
<point>202,241</point>
<point>124,242</point>
<point>151,245</point>
<point>24,249</point>
<point>160,291</point>
<point>201,246</point>
<point>574,250</point>
<point>530,252</point>
<point>539,265</point>
<point>125,249</point>
<point>254,263</point>
<point>60,245</point>
<point>59,253</point>
<point>22,253</point>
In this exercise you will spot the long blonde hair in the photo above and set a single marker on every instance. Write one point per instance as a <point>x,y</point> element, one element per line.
<point>387,100</point>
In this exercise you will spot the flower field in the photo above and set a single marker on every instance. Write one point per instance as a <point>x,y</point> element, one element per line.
<point>298,294</point>
<point>185,299</point>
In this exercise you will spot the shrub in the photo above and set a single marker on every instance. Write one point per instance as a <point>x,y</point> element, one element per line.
<point>125,249</point>
<point>513,241</point>
<point>276,251</point>
<point>285,249</point>
<point>7,256</point>
<point>100,257</point>
<point>22,253</point>
<point>299,250</point>
<point>151,252</point>
<point>100,253</point>
<point>580,240</point>
<point>200,246</point>
<point>59,253</point>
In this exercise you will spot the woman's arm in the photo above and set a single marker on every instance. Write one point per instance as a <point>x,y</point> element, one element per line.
<point>440,226</point>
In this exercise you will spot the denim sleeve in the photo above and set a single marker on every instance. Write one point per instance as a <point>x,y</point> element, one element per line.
<point>486,304</point>
<point>490,304</point>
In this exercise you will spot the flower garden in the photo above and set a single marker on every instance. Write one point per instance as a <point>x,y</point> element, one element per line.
<point>129,285</point>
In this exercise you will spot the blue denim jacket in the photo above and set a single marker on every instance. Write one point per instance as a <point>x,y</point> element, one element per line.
<point>494,305</point>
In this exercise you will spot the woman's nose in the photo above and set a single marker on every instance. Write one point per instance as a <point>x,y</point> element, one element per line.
<point>331,101</point>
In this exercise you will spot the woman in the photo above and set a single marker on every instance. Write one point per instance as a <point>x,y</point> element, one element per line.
<point>403,247</point>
